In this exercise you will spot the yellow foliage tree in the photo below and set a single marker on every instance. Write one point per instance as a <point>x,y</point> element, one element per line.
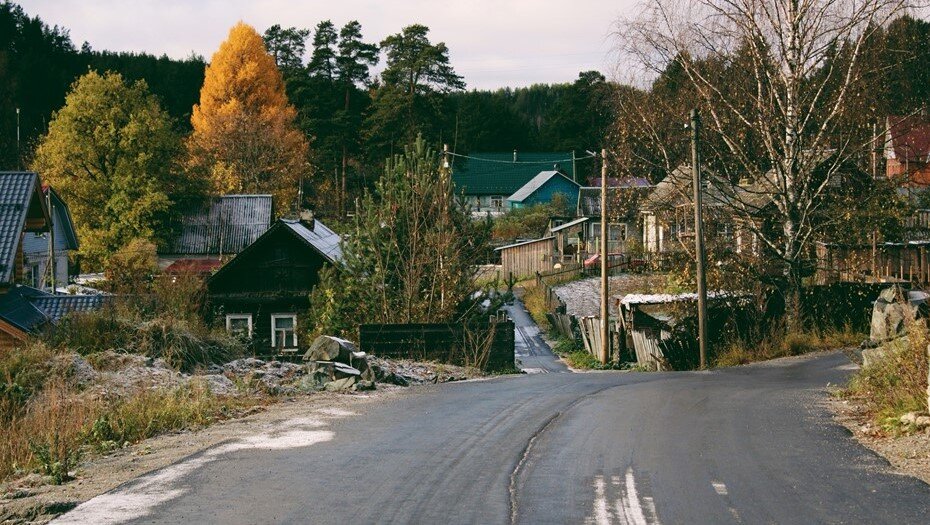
<point>244,138</point>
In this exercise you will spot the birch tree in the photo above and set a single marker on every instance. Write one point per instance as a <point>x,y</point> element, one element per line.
<point>774,80</point>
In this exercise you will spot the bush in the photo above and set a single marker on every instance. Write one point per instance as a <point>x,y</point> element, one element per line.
<point>130,269</point>
<point>896,384</point>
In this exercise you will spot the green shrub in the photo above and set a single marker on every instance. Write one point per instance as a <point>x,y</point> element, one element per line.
<point>897,383</point>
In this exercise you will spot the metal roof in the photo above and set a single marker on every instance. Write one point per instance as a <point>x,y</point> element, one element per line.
<point>324,240</point>
<point>569,224</point>
<point>535,183</point>
<point>221,225</point>
<point>499,174</point>
<point>30,309</point>
<point>17,191</point>
<point>522,243</point>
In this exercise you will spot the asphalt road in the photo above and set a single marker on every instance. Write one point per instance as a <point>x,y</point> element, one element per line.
<point>533,353</point>
<point>746,445</point>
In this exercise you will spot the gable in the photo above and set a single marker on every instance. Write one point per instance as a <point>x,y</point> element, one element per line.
<point>280,261</point>
<point>22,209</point>
<point>544,185</point>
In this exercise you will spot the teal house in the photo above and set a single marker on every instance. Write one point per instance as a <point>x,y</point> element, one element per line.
<point>542,188</point>
<point>485,181</point>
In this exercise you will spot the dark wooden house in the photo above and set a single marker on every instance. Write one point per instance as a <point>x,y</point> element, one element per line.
<point>264,292</point>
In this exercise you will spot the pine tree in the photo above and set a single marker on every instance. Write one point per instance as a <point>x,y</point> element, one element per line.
<point>245,138</point>
<point>323,61</point>
<point>109,152</point>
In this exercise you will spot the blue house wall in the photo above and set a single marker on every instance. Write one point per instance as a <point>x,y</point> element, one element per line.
<point>545,193</point>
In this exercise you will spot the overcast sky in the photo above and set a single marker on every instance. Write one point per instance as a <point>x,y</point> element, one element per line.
<point>493,43</point>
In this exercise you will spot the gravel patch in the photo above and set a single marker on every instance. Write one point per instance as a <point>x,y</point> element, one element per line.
<point>582,298</point>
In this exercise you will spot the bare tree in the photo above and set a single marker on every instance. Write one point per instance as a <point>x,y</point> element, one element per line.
<point>775,80</point>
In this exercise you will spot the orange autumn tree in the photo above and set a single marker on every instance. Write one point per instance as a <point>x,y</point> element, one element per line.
<point>244,138</point>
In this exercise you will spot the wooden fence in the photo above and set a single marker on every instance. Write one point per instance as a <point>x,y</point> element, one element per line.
<point>489,346</point>
<point>884,262</point>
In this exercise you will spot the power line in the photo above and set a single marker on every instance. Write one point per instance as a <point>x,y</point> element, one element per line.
<point>547,161</point>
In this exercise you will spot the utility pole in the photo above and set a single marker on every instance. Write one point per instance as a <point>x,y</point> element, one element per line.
<point>19,154</point>
<point>51,241</point>
<point>699,235</point>
<point>605,288</point>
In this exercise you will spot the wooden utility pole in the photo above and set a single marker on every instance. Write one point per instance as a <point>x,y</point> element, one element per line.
<point>51,241</point>
<point>699,235</point>
<point>605,288</point>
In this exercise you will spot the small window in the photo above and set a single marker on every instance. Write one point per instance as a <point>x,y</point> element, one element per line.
<point>283,331</point>
<point>239,325</point>
<point>497,201</point>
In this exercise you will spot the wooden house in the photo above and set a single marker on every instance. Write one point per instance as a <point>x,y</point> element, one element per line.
<point>524,259</point>
<point>54,246</point>
<point>263,293</point>
<point>624,196</point>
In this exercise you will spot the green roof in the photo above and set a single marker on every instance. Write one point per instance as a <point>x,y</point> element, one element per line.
<point>498,174</point>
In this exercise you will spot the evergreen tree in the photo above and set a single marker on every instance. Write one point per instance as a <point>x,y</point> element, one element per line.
<point>411,254</point>
<point>323,61</point>
<point>245,138</point>
<point>110,152</point>
<point>288,47</point>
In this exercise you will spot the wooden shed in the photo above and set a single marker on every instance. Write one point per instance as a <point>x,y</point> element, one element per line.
<point>524,259</point>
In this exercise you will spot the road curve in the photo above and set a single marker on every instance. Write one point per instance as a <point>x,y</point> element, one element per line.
<point>744,445</point>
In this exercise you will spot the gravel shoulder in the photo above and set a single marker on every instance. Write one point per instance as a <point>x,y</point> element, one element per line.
<point>908,454</point>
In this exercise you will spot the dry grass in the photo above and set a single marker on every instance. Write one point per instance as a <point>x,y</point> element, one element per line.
<point>536,303</point>
<point>896,384</point>
<point>779,344</point>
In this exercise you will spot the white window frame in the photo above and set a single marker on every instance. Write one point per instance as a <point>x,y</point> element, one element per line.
<point>497,202</point>
<point>274,331</point>
<point>232,317</point>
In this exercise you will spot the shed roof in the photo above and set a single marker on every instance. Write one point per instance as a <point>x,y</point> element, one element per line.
<point>523,243</point>
<point>221,225</point>
<point>20,197</point>
<point>535,183</point>
<point>499,174</point>
<point>569,224</point>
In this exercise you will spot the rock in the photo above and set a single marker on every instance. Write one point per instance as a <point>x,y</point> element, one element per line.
<point>81,371</point>
<point>243,366</point>
<point>909,419</point>
<point>219,384</point>
<point>892,310</point>
<point>313,382</point>
<point>872,356</point>
<point>922,422</point>
<point>365,385</point>
<point>328,348</point>
<point>341,371</point>
<point>341,385</point>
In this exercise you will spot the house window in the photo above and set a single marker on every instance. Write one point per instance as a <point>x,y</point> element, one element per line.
<point>283,331</point>
<point>239,325</point>
<point>497,201</point>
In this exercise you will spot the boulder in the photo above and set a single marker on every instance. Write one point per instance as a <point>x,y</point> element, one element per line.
<point>873,356</point>
<point>219,384</point>
<point>892,310</point>
<point>365,385</point>
<point>341,385</point>
<point>329,348</point>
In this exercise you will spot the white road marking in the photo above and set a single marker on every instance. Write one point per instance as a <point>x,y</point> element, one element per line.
<point>139,497</point>
<point>720,488</point>
<point>601,509</point>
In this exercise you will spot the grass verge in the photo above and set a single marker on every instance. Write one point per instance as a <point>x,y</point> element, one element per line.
<point>778,344</point>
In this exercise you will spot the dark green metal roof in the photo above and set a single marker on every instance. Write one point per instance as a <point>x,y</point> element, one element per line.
<point>498,174</point>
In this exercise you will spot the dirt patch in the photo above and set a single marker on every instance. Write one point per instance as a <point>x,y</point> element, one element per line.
<point>582,298</point>
<point>908,454</point>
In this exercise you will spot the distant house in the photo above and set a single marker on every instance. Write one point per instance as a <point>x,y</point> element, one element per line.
<point>907,149</point>
<point>26,311</point>
<point>624,196</point>
<point>211,230</point>
<point>263,293</point>
<point>22,211</point>
<point>542,188</point>
<point>36,246</point>
<point>486,180</point>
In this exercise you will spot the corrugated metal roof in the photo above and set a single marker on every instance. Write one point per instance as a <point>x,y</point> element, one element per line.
<point>30,309</point>
<point>326,241</point>
<point>534,184</point>
<point>222,225</point>
<point>498,174</point>
<point>17,189</point>
<point>58,306</point>
<point>569,224</point>
<point>523,243</point>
